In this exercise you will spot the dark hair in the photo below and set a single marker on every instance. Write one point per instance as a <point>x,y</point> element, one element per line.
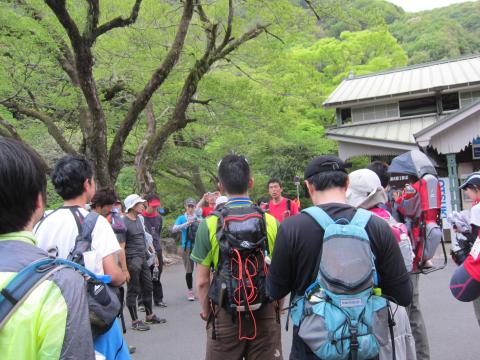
<point>328,179</point>
<point>234,174</point>
<point>381,169</point>
<point>22,179</point>
<point>273,181</point>
<point>151,197</point>
<point>104,197</point>
<point>69,175</point>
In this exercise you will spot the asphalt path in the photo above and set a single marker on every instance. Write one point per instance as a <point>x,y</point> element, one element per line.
<point>452,328</point>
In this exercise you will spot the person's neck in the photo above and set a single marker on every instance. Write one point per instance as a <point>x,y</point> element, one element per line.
<point>277,200</point>
<point>132,215</point>
<point>335,195</point>
<point>233,196</point>
<point>78,201</point>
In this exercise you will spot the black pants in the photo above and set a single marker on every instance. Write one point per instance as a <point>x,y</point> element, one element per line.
<point>140,282</point>
<point>157,285</point>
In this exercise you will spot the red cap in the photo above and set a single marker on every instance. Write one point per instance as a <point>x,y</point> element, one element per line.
<point>154,203</point>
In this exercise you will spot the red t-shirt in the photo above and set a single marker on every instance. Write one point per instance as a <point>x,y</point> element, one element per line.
<point>280,211</point>
<point>207,211</point>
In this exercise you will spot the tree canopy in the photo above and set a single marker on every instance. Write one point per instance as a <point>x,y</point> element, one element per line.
<point>156,92</point>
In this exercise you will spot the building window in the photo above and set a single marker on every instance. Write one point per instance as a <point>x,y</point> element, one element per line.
<point>450,102</point>
<point>426,105</point>
<point>346,115</point>
<point>469,97</point>
<point>375,112</point>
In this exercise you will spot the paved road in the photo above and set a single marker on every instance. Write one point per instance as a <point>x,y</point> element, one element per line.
<point>453,330</point>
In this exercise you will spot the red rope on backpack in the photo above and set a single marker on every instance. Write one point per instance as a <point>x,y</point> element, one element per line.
<point>250,291</point>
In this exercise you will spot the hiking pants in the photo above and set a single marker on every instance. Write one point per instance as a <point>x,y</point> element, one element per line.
<point>140,282</point>
<point>417,324</point>
<point>266,346</point>
<point>157,285</point>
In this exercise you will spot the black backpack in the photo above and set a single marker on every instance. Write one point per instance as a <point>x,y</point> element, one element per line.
<point>239,283</point>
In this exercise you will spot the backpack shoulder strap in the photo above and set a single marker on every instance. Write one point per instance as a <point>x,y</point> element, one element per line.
<point>361,218</point>
<point>22,285</point>
<point>320,216</point>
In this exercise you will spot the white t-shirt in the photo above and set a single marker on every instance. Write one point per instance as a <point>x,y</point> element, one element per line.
<point>475,215</point>
<point>56,234</point>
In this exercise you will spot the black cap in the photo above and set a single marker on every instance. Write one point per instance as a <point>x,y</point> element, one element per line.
<point>473,179</point>
<point>325,163</point>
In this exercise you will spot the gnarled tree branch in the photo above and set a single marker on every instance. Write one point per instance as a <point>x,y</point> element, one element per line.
<point>141,100</point>
<point>119,21</point>
<point>49,122</point>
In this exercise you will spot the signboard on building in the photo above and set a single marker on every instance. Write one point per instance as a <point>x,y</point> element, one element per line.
<point>446,205</point>
<point>476,148</point>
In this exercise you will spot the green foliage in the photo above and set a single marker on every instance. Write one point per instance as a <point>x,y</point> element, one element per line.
<point>438,34</point>
<point>265,99</point>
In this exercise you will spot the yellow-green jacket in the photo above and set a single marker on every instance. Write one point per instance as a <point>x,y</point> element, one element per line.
<point>53,322</point>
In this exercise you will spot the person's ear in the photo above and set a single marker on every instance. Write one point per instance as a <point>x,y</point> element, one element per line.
<point>221,188</point>
<point>39,208</point>
<point>347,184</point>
<point>251,181</point>
<point>310,188</point>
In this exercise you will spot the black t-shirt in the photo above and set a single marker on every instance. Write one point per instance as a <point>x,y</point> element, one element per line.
<point>299,243</point>
<point>134,238</point>
<point>295,256</point>
<point>153,224</point>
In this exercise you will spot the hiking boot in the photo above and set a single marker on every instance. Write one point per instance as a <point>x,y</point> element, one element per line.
<point>155,320</point>
<point>190,295</point>
<point>161,304</point>
<point>140,326</point>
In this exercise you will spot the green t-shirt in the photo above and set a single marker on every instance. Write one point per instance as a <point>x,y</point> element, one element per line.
<point>206,250</point>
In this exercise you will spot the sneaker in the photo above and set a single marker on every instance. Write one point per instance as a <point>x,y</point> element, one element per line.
<point>161,304</point>
<point>141,308</point>
<point>190,295</point>
<point>140,326</point>
<point>132,349</point>
<point>155,320</point>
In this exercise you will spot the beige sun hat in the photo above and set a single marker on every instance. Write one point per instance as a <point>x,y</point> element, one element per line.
<point>365,189</point>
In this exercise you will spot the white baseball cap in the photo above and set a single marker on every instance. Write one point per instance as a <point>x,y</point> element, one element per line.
<point>132,200</point>
<point>364,189</point>
<point>221,200</point>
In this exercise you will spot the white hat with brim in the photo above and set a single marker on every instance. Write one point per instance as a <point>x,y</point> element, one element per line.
<point>221,200</point>
<point>132,200</point>
<point>365,189</point>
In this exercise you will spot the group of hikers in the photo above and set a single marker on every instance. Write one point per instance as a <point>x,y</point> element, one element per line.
<point>346,269</point>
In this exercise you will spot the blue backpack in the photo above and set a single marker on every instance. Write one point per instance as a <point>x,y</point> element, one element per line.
<point>340,316</point>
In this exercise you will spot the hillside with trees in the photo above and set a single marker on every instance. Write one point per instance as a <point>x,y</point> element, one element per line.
<point>156,92</point>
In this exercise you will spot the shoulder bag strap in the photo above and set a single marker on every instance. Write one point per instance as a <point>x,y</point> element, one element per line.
<point>320,216</point>
<point>22,285</point>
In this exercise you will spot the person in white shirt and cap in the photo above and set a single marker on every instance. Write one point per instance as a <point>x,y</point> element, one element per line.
<point>366,191</point>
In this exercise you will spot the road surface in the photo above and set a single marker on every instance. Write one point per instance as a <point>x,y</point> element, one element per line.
<point>452,328</point>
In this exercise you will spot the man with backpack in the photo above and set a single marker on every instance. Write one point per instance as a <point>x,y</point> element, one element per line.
<point>53,320</point>
<point>333,256</point>
<point>278,206</point>
<point>61,230</point>
<point>236,243</point>
<point>187,224</point>
<point>73,180</point>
